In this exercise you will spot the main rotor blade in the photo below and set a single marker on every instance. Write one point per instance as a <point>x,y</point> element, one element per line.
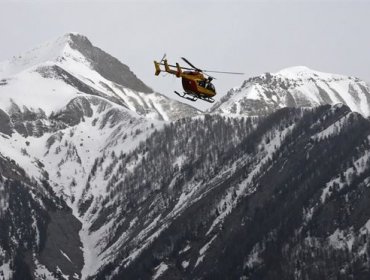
<point>223,72</point>
<point>211,71</point>
<point>188,62</point>
<point>208,75</point>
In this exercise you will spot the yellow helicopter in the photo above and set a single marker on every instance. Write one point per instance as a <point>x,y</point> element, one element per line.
<point>195,82</point>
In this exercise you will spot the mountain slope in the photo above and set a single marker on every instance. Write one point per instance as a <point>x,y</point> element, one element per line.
<point>52,97</point>
<point>286,200</point>
<point>200,192</point>
<point>37,229</point>
<point>294,87</point>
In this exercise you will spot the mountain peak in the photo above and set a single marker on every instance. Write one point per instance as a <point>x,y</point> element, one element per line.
<point>303,72</point>
<point>49,76</point>
<point>295,70</point>
<point>74,50</point>
<point>50,51</point>
<point>75,38</point>
<point>74,34</point>
<point>67,39</point>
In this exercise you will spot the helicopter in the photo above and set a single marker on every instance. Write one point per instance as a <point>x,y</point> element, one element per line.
<point>195,82</point>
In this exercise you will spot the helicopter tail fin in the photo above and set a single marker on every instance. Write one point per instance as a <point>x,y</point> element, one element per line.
<point>157,68</point>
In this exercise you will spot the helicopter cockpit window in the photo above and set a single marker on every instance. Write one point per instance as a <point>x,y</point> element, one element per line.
<point>202,83</point>
<point>211,87</point>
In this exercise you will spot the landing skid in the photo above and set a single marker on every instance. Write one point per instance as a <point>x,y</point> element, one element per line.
<point>194,97</point>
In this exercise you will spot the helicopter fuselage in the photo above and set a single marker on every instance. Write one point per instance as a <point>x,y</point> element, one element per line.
<point>194,82</point>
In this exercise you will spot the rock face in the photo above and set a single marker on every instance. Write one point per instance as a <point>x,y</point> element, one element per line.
<point>33,222</point>
<point>102,181</point>
<point>294,87</point>
<point>5,125</point>
<point>106,65</point>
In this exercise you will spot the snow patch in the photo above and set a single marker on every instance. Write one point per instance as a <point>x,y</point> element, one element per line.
<point>159,270</point>
<point>203,250</point>
<point>65,255</point>
<point>185,264</point>
<point>187,248</point>
<point>42,271</point>
<point>340,239</point>
<point>6,271</point>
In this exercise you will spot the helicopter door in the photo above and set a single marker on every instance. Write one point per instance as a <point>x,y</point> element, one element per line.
<point>189,85</point>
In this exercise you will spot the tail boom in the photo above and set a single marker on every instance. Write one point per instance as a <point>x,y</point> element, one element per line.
<point>167,68</point>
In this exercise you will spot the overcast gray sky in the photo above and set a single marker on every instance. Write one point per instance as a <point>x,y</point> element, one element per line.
<point>245,36</point>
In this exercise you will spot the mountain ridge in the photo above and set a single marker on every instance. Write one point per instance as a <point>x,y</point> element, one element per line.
<point>294,87</point>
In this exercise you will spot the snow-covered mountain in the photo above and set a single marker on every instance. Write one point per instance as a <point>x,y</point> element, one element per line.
<point>63,105</point>
<point>294,87</point>
<point>211,197</point>
<point>49,76</point>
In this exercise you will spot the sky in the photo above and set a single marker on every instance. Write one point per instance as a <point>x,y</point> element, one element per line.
<point>252,37</point>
